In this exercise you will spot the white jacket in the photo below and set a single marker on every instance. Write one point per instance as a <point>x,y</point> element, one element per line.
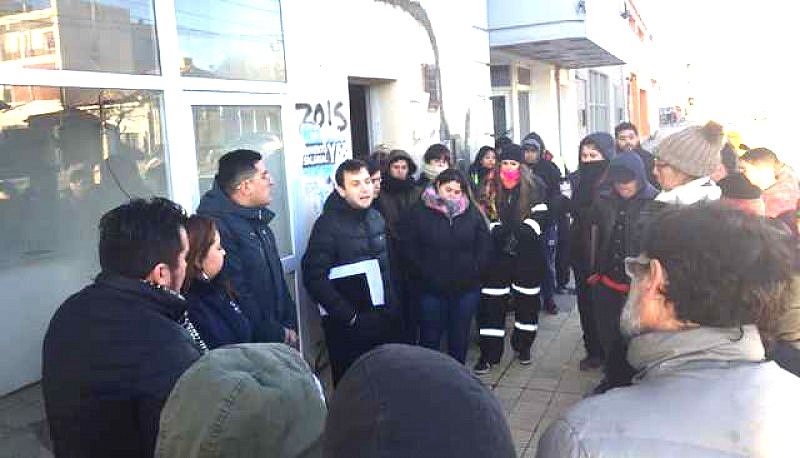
<point>705,392</point>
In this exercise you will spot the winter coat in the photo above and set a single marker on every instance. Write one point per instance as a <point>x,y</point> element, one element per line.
<point>112,353</point>
<point>216,316</point>
<point>344,235</point>
<point>247,401</point>
<point>397,197</point>
<point>401,401</point>
<point>649,164</point>
<point>617,221</point>
<point>252,264</point>
<point>780,199</point>
<point>586,184</point>
<point>447,255</point>
<point>704,392</point>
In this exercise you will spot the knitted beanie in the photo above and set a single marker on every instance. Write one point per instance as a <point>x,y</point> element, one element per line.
<point>694,150</point>
<point>511,152</point>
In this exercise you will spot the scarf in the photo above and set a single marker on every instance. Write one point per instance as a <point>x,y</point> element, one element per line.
<point>657,353</point>
<point>449,208</point>
<point>432,171</point>
<point>510,178</point>
<point>701,189</point>
<point>185,323</point>
<point>782,196</point>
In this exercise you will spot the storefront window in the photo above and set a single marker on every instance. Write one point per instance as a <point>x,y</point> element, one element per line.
<point>219,129</point>
<point>68,155</point>
<point>102,35</point>
<point>240,39</point>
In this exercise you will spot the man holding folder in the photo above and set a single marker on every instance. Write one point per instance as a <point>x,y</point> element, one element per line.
<point>346,270</point>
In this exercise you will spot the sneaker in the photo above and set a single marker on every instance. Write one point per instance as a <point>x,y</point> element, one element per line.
<point>590,363</point>
<point>551,308</point>
<point>482,367</point>
<point>524,357</point>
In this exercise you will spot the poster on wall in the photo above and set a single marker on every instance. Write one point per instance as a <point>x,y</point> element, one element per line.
<point>324,129</point>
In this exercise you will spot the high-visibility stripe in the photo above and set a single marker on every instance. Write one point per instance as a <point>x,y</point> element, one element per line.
<point>492,332</point>
<point>533,225</point>
<point>539,208</point>
<point>525,327</point>
<point>527,291</point>
<point>495,291</point>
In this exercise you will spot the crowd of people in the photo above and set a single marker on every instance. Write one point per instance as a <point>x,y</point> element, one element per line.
<point>186,343</point>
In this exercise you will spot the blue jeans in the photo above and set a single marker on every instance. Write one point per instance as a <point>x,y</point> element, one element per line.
<point>451,314</point>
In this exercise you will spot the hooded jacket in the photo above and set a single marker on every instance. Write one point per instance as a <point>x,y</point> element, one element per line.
<point>112,353</point>
<point>400,401</point>
<point>345,235</point>
<point>252,263</point>
<point>586,184</point>
<point>617,220</point>
<point>246,400</point>
<point>704,392</point>
<point>397,196</point>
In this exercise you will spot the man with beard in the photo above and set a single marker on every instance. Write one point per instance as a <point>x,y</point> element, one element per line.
<point>627,137</point>
<point>707,280</point>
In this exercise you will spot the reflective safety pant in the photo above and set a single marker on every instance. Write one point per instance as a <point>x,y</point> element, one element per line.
<point>497,292</point>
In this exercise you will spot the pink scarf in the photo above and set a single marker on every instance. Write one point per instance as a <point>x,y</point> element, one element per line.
<point>449,208</point>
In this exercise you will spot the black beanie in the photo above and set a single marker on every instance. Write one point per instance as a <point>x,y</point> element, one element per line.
<point>400,401</point>
<point>511,152</point>
<point>736,186</point>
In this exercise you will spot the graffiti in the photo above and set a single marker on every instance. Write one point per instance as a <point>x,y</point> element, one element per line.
<point>318,115</point>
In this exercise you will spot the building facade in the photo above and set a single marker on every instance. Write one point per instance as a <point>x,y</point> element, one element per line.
<point>105,100</point>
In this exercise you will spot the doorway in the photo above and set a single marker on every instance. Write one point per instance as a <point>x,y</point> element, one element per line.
<point>359,121</point>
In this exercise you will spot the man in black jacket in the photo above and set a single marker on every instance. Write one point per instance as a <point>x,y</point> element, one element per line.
<point>114,350</point>
<point>627,138</point>
<point>356,316</point>
<point>238,203</point>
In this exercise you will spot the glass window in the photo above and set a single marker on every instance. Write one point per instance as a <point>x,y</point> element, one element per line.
<point>219,129</point>
<point>101,35</point>
<point>499,115</point>
<point>524,101</point>
<point>232,39</point>
<point>67,156</point>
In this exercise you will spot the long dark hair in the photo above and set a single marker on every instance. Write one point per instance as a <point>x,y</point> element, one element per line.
<point>530,190</point>
<point>479,156</point>
<point>201,232</point>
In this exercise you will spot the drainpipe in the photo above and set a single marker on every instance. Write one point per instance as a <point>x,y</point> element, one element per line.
<point>558,108</point>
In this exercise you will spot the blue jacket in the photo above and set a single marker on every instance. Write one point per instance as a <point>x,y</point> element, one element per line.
<point>216,316</point>
<point>253,265</point>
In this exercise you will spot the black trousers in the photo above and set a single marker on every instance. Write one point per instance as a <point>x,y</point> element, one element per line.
<point>510,281</point>
<point>345,344</point>
<point>586,311</point>
<point>608,305</point>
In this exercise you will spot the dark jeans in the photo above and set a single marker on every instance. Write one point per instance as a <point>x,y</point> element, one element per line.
<point>608,305</point>
<point>562,253</point>
<point>550,240</point>
<point>450,314</point>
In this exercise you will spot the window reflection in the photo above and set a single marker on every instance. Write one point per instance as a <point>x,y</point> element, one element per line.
<point>97,35</point>
<point>68,155</point>
<point>234,39</point>
<point>219,129</point>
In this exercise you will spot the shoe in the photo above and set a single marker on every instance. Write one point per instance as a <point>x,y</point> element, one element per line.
<point>551,308</point>
<point>590,363</point>
<point>524,357</point>
<point>604,386</point>
<point>482,367</point>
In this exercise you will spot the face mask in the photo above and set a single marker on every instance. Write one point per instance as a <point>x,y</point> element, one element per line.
<point>510,178</point>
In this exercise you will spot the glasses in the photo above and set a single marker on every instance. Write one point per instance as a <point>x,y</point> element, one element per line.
<point>636,267</point>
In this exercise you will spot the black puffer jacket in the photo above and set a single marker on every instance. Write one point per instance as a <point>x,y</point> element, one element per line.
<point>344,235</point>
<point>447,256</point>
<point>112,354</point>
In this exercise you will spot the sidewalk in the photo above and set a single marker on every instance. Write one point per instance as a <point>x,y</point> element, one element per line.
<point>532,396</point>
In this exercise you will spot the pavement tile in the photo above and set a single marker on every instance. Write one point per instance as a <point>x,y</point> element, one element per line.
<point>534,396</point>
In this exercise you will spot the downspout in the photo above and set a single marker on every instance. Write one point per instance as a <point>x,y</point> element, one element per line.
<point>558,109</point>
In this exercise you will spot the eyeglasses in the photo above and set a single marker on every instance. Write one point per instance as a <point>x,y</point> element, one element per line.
<point>638,266</point>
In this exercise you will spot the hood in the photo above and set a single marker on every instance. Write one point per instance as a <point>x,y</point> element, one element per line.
<point>399,154</point>
<point>699,190</point>
<point>630,162</point>
<point>404,401</point>
<point>244,400</point>
<point>216,203</point>
<point>604,142</point>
